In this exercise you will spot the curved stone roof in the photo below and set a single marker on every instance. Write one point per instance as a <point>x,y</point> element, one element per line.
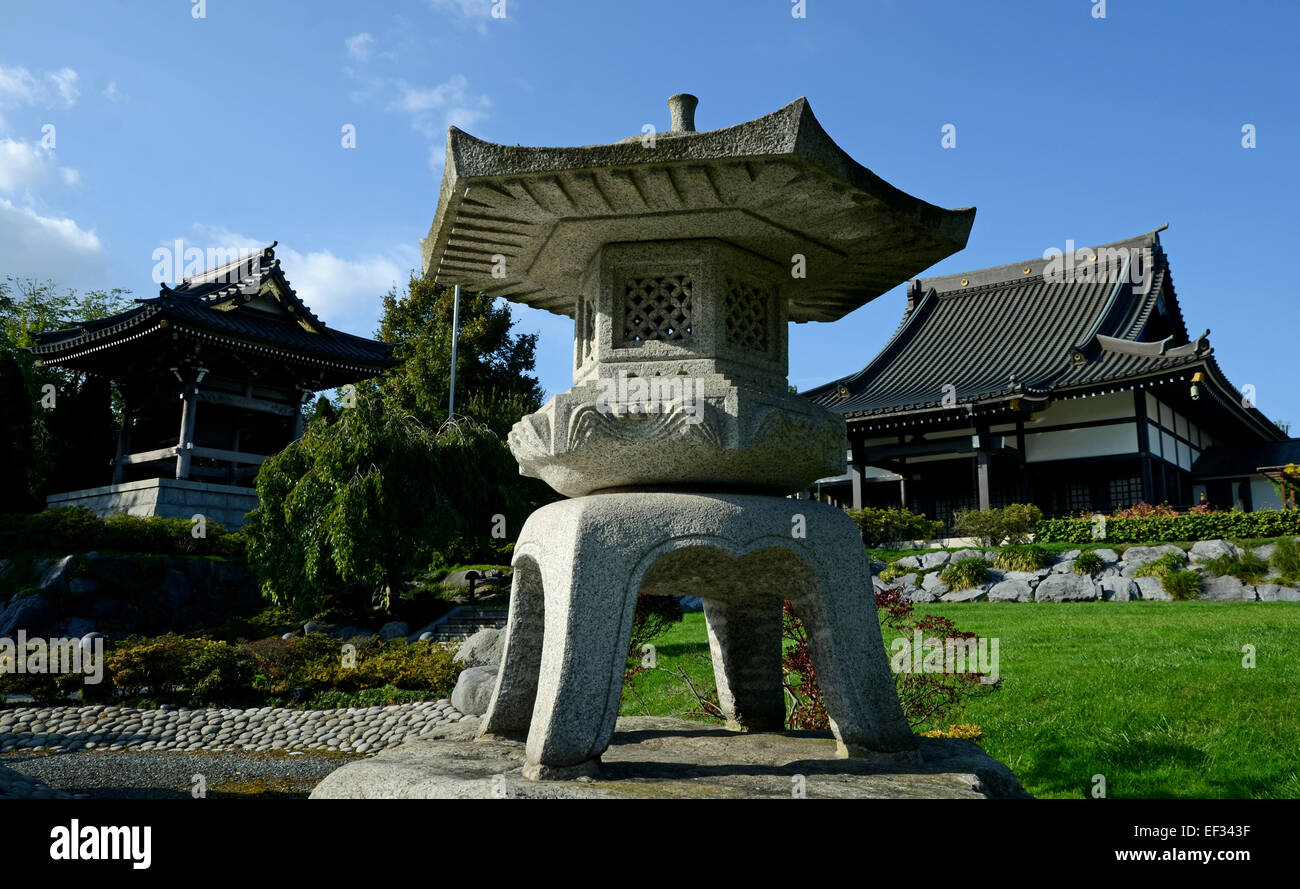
<point>523,222</point>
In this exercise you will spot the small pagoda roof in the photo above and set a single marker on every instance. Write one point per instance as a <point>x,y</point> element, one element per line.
<point>245,304</point>
<point>1229,460</point>
<point>776,186</point>
<point>1016,334</point>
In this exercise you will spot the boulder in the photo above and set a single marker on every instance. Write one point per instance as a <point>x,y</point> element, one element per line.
<point>394,629</point>
<point>974,594</point>
<point>78,627</point>
<point>1030,577</point>
<point>1011,591</point>
<point>933,560</point>
<point>473,690</point>
<point>83,586</point>
<point>54,579</point>
<point>1066,566</point>
<point>1109,556</point>
<point>690,603</point>
<point>1225,588</point>
<point>909,562</point>
<point>1067,588</point>
<point>1137,556</point>
<point>1119,589</point>
<point>1069,555</point>
<point>964,554</point>
<point>1152,589</point>
<point>1206,550</point>
<point>1272,592</point>
<point>483,649</point>
<point>921,595</point>
<point>1264,552</point>
<point>934,583</point>
<point>35,613</point>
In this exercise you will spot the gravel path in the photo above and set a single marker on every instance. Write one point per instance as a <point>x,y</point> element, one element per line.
<point>83,730</point>
<point>163,775</point>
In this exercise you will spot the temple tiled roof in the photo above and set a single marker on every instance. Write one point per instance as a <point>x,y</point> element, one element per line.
<point>215,306</point>
<point>1015,332</point>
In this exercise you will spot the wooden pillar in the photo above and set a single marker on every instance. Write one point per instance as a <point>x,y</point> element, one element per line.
<point>1026,492</point>
<point>982,477</point>
<point>855,470</point>
<point>189,406</point>
<point>982,443</point>
<point>123,441</point>
<point>1144,446</point>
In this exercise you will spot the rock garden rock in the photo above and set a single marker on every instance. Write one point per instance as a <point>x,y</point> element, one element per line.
<point>1272,592</point>
<point>1206,550</point>
<point>1152,589</point>
<point>1137,556</point>
<point>1119,589</point>
<point>1067,588</point>
<point>483,649</point>
<point>933,560</point>
<point>473,690</point>
<point>973,594</point>
<point>1225,588</point>
<point>1011,591</point>
<point>394,629</point>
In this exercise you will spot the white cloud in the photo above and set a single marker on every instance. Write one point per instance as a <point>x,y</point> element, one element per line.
<point>467,12</point>
<point>112,93</point>
<point>24,165</point>
<point>360,46</point>
<point>433,109</point>
<point>343,292</point>
<point>20,87</point>
<point>36,246</point>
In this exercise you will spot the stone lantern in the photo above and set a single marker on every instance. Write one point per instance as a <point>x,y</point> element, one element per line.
<point>682,256</point>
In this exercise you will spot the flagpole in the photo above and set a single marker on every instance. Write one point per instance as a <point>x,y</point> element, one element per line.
<point>455,331</point>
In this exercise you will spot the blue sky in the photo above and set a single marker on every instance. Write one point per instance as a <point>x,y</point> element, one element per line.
<point>225,131</point>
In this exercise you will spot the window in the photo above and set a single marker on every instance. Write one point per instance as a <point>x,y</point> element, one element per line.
<point>1125,491</point>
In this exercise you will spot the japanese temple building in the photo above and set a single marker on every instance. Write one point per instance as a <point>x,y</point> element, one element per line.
<point>212,373</point>
<point>1071,382</point>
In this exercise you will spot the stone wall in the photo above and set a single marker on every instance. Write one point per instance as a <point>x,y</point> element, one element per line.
<point>1116,581</point>
<point>168,497</point>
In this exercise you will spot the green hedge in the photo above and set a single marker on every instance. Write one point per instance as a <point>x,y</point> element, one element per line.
<point>77,530</point>
<point>1205,526</point>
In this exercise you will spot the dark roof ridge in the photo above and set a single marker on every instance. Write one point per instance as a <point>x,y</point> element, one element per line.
<point>1028,269</point>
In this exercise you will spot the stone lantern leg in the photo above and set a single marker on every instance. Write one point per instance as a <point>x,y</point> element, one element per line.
<point>682,261</point>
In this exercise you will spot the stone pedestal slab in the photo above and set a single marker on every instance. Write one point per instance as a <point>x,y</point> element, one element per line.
<point>580,564</point>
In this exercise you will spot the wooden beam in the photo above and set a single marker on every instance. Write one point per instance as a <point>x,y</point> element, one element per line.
<point>211,396</point>
<point>149,456</point>
<point>232,456</point>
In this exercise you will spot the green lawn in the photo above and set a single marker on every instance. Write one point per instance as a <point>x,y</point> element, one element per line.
<point>1152,695</point>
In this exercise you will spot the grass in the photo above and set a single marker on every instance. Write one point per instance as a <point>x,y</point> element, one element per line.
<point>1152,695</point>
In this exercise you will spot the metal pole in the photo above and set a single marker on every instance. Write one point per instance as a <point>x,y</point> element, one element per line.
<point>455,331</point>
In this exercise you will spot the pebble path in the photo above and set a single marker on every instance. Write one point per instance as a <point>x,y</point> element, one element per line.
<point>350,730</point>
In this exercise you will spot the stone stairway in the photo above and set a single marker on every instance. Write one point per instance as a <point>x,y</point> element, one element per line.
<point>466,620</point>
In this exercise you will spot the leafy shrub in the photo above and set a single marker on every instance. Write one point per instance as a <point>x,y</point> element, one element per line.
<point>1166,564</point>
<point>1022,558</point>
<point>651,619</point>
<point>1204,526</point>
<point>1182,584</point>
<point>201,671</point>
<point>1248,568</point>
<point>1144,511</point>
<point>1286,559</point>
<point>219,673</point>
<point>924,696</point>
<point>77,529</point>
<point>966,574</point>
<point>1088,563</point>
<point>957,730</point>
<point>895,570</point>
<point>1011,524</point>
<point>884,525</point>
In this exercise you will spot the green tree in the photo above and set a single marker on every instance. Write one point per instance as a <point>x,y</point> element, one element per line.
<point>494,380</point>
<point>65,446</point>
<point>358,505</point>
